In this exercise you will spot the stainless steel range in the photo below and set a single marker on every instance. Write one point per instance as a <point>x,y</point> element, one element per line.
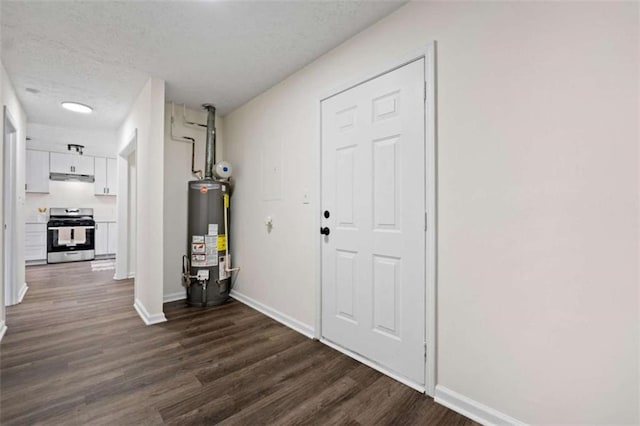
<point>70,235</point>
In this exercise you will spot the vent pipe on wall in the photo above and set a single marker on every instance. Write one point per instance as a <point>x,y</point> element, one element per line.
<point>210,148</point>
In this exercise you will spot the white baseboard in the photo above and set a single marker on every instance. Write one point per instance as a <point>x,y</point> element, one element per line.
<point>22,292</point>
<point>298,326</point>
<point>129,276</point>
<point>3,329</point>
<point>172,297</point>
<point>473,409</point>
<point>146,317</point>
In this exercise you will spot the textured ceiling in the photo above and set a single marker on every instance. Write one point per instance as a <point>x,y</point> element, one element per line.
<point>102,53</point>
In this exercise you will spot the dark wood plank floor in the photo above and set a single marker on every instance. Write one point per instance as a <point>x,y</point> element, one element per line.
<point>76,352</point>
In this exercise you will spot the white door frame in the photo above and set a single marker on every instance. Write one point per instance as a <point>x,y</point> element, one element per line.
<point>122,245</point>
<point>429,55</point>
<point>10,201</point>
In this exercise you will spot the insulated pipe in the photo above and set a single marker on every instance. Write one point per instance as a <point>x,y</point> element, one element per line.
<point>210,150</point>
<point>227,264</point>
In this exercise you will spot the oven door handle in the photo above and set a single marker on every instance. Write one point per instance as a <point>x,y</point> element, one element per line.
<point>57,228</point>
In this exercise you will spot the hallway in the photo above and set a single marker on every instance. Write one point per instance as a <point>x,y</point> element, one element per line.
<point>77,353</point>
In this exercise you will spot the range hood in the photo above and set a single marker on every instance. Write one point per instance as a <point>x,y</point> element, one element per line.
<point>72,177</point>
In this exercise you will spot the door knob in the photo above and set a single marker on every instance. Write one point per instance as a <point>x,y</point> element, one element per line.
<point>325,231</point>
<point>327,214</point>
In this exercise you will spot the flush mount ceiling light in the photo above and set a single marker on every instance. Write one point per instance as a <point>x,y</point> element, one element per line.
<point>76,107</point>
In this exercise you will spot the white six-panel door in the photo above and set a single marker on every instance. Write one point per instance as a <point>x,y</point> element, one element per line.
<point>373,187</point>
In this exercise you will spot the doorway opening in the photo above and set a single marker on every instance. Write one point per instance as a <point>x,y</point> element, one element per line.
<point>9,205</point>
<point>127,214</point>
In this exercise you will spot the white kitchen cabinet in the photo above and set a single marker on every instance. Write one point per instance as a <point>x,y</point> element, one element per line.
<point>60,163</point>
<point>112,176</point>
<point>71,163</point>
<point>106,237</point>
<point>105,176</point>
<point>35,242</point>
<point>83,164</point>
<point>37,171</point>
<point>102,238</point>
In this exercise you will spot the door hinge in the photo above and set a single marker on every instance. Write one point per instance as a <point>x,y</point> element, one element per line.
<point>425,350</point>
<point>425,90</point>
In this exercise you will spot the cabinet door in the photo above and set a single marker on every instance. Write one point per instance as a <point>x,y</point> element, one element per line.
<point>102,238</point>
<point>83,165</point>
<point>113,237</point>
<point>100,184</point>
<point>112,176</point>
<point>60,163</point>
<point>35,244</point>
<point>37,173</point>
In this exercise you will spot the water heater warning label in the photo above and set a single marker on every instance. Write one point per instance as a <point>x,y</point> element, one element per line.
<point>204,250</point>
<point>222,242</point>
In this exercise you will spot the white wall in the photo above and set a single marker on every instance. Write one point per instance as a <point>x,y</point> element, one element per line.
<point>71,194</point>
<point>537,192</point>
<point>3,315</point>
<point>147,117</point>
<point>100,143</point>
<point>177,158</point>
<point>638,200</point>
<point>64,194</point>
<point>10,100</point>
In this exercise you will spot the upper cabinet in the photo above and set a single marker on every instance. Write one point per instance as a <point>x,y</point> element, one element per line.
<point>106,174</point>
<point>42,166</point>
<point>71,164</point>
<point>37,171</point>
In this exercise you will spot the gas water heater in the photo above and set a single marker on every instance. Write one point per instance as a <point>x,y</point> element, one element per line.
<point>207,265</point>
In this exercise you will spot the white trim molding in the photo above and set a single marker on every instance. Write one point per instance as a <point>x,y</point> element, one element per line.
<point>473,409</point>
<point>22,292</point>
<point>122,245</point>
<point>172,297</point>
<point>285,319</point>
<point>3,329</point>
<point>146,317</point>
<point>128,277</point>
